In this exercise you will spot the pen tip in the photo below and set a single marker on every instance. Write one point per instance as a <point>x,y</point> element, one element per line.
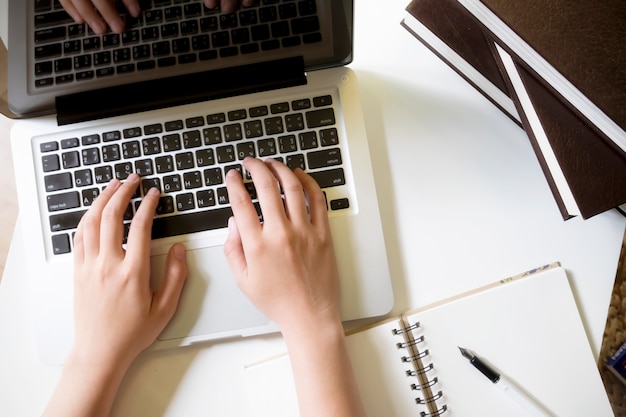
<point>465,353</point>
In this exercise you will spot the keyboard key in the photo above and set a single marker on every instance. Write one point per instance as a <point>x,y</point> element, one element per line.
<point>205,198</point>
<point>185,202</point>
<point>274,125</point>
<point>225,154</point>
<point>172,183</point>
<point>91,156</point>
<point>266,147</point>
<point>62,65</point>
<point>151,146</point>
<point>213,176</point>
<point>123,170</point>
<point>48,146</point>
<point>111,153</point>
<point>184,161</point>
<point>278,108</point>
<point>165,205</point>
<point>70,159</point>
<point>148,183</point>
<point>340,204</point>
<point>50,35</point>
<point>103,174</point>
<point>192,180</point>
<point>69,143</point>
<point>174,125</point>
<point>50,163</point>
<point>89,196</point>
<point>111,136</point>
<point>287,144</point>
<point>130,149</point>
<point>48,51</point>
<point>164,164</point>
<point>143,167</point>
<point>322,101</point>
<point>191,222</point>
<point>320,118</point>
<point>61,244</point>
<point>295,161</point>
<point>325,158</point>
<point>329,137</point>
<point>329,178</point>
<point>63,201</point>
<point>133,132</point>
<point>233,132</point>
<point>66,221</point>
<point>191,139</point>
<point>205,157</point>
<point>308,140</point>
<point>57,182</point>
<point>83,178</point>
<point>52,19</point>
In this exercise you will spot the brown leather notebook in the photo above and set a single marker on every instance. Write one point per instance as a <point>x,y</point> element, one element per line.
<point>594,170</point>
<point>455,27</point>
<point>592,166</point>
<point>584,40</point>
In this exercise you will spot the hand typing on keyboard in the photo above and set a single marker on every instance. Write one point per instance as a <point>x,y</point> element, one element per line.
<point>99,14</point>
<point>285,265</point>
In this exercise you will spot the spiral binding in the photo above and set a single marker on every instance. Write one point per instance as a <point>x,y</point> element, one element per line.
<point>416,356</point>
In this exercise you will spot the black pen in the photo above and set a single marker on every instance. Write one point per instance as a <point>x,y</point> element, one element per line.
<point>505,385</point>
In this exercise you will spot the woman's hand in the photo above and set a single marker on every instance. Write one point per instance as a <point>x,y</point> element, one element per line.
<point>99,14</point>
<point>286,265</point>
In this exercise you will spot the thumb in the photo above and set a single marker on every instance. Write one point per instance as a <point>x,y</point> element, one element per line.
<point>233,249</point>
<point>167,296</point>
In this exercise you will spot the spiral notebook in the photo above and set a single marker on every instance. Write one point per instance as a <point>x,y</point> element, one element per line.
<point>527,327</point>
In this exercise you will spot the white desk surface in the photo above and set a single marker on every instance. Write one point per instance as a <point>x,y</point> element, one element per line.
<point>463,200</point>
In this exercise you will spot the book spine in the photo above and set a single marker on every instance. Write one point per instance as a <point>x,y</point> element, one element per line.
<point>416,356</point>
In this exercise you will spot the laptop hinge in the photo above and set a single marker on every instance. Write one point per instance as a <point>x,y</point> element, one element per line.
<point>182,89</point>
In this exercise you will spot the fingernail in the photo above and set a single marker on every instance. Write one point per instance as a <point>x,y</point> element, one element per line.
<point>133,9</point>
<point>113,184</point>
<point>231,223</point>
<point>154,191</point>
<point>132,177</point>
<point>97,26</point>
<point>117,26</point>
<point>179,251</point>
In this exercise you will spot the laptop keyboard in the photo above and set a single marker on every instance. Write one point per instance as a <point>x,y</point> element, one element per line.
<point>167,33</point>
<point>187,160</point>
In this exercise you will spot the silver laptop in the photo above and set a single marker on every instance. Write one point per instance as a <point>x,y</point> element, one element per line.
<point>181,98</point>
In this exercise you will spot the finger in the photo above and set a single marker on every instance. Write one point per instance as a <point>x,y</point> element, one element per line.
<point>90,15</point>
<point>233,249</point>
<point>267,190</point>
<point>72,11</point>
<point>133,7</point>
<point>241,204</point>
<point>111,15</point>
<point>89,226</point>
<point>167,295</point>
<point>248,3</point>
<point>315,196</point>
<point>211,4</point>
<point>112,223</point>
<point>140,234</point>
<point>229,6</point>
<point>295,203</point>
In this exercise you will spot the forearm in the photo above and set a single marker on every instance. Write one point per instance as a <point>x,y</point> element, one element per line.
<point>85,389</point>
<point>323,375</point>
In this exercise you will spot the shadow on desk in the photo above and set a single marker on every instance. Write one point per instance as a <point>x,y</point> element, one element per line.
<point>614,336</point>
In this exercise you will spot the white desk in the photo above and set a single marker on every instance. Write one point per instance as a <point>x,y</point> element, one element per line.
<point>463,201</point>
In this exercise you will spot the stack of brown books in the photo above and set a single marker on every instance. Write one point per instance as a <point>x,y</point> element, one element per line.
<point>558,69</point>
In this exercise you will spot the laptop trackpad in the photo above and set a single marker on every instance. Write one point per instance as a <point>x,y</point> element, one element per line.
<point>211,302</point>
